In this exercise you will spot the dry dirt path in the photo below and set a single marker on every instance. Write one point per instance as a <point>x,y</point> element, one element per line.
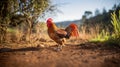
<point>80,55</point>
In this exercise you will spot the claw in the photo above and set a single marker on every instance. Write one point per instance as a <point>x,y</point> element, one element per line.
<point>59,48</point>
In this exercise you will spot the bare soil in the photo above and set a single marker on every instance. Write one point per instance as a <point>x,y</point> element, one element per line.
<point>73,55</point>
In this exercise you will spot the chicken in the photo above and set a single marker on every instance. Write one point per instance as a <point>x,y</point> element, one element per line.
<point>60,35</point>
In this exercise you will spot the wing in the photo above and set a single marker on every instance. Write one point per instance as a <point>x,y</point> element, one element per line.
<point>61,33</point>
<point>72,30</point>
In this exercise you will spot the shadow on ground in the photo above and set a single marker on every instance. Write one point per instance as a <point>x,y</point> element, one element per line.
<point>20,49</point>
<point>85,46</point>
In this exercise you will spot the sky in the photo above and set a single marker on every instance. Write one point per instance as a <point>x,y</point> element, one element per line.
<point>74,9</point>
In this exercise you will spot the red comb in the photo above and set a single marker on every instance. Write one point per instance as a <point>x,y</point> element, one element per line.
<point>49,20</point>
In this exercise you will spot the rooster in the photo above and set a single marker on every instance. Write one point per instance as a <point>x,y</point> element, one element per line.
<point>60,35</point>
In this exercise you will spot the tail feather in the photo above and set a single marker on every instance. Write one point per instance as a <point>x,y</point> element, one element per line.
<point>75,31</point>
<point>72,29</point>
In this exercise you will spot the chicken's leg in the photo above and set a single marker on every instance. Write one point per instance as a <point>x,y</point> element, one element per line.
<point>59,48</point>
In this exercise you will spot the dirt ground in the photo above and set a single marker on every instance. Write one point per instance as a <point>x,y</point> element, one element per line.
<point>73,55</point>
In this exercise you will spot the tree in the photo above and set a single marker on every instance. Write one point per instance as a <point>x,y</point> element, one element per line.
<point>104,11</point>
<point>21,10</point>
<point>83,18</point>
<point>114,7</point>
<point>97,12</point>
<point>88,14</point>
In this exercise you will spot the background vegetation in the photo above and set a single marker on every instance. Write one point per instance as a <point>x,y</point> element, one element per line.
<point>18,22</point>
<point>18,17</point>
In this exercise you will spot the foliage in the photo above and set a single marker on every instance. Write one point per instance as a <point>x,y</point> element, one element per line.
<point>15,9</point>
<point>114,38</point>
<point>88,14</point>
<point>101,18</point>
<point>15,12</point>
<point>116,23</point>
<point>101,37</point>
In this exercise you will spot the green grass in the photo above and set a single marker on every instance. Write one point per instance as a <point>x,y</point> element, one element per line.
<point>105,36</point>
<point>116,23</point>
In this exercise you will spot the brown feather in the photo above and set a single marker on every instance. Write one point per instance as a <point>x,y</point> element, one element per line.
<point>57,34</point>
<point>61,33</point>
